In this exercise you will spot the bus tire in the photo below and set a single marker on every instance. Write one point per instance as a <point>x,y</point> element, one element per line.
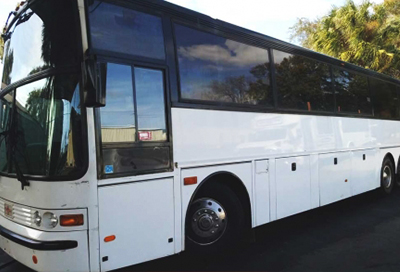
<point>215,220</point>
<point>388,176</point>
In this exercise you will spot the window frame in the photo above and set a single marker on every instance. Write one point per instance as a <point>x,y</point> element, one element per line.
<point>350,114</point>
<point>131,145</point>
<point>85,122</point>
<point>135,7</point>
<point>372,92</point>
<point>175,14</point>
<point>251,38</point>
<point>312,112</point>
<point>220,34</point>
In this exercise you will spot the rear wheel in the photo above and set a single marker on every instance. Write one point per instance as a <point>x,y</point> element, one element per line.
<point>387,176</point>
<point>215,219</point>
<point>397,183</point>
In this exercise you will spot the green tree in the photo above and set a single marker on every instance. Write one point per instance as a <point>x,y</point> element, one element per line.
<point>367,35</point>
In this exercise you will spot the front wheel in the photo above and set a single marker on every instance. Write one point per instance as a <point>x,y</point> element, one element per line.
<point>215,219</point>
<point>387,176</point>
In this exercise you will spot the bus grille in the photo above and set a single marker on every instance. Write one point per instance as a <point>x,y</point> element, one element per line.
<point>19,214</point>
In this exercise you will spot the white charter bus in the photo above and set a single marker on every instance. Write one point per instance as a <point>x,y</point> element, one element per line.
<point>133,130</point>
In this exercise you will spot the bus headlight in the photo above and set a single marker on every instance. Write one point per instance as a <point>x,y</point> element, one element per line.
<point>37,219</point>
<point>49,220</point>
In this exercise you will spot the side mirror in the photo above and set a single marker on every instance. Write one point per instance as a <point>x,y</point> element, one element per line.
<point>94,81</point>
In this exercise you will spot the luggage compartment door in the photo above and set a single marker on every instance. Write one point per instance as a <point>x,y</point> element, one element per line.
<point>293,184</point>
<point>141,217</point>
<point>334,177</point>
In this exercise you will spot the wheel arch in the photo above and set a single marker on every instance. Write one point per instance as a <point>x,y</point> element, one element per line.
<point>233,182</point>
<point>390,156</point>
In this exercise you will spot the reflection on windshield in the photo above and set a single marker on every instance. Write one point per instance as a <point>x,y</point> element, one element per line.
<point>5,110</point>
<point>48,127</point>
<point>46,40</point>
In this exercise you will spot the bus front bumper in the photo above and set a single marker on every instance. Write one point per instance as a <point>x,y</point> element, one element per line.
<point>45,251</point>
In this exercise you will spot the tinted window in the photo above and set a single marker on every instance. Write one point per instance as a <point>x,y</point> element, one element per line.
<point>385,99</point>
<point>213,68</point>
<point>47,38</point>
<point>118,116</point>
<point>49,127</point>
<point>352,93</point>
<point>303,84</point>
<point>134,113</point>
<point>6,103</point>
<point>150,103</point>
<point>127,31</point>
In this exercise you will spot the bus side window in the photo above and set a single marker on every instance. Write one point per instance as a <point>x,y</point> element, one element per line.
<point>216,69</point>
<point>118,122</point>
<point>352,93</point>
<point>385,99</point>
<point>123,30</point>
<point>133,122</point>
<point>150,105</point>
<point>303,83</point>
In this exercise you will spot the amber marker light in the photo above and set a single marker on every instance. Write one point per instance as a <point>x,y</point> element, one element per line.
<point>109,238</point>
<point>71,220</point>
<point>190,181</point>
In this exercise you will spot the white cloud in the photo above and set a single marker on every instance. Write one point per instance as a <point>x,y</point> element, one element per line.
<point>235,53</point>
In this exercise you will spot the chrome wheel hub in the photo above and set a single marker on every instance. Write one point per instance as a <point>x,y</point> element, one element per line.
<point>208,220</point>
<point>387,176</point>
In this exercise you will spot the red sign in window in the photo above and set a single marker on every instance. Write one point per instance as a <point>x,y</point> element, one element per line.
<point>145,136</point>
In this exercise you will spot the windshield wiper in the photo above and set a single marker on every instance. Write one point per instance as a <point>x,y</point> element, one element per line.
<point>20,176</point>
<point>12,135</point>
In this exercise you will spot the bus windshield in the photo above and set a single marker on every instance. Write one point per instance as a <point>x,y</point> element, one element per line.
<point>41,123</point>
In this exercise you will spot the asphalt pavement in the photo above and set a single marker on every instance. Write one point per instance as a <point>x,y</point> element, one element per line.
<point>358,234</point>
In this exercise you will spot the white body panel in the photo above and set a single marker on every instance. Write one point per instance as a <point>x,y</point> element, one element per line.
<point>141,216</point>
<point>262,192</point>
<point>363,171</point>
<point>226,136</point>
<point>334,178</point>
<point>219,140</point>
<point>293,186</point>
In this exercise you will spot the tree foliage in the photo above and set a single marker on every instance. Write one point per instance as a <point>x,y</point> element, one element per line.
<point>367,35</point>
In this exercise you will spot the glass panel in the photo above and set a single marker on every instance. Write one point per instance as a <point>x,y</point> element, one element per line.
<point>213,68</point>
<point>303,84</point>
<point>127,31</point>
<point>49,127</point>
<point>352,93</point>
<point>151,105</point>
<point>118,116</point>
<point>46,39</point>
<point>385,99</point>
<point>5,120</point>
<point>134,159</point>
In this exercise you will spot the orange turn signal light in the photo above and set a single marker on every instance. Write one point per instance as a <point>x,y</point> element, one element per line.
<point>71,220</point>
<point>109,238</point>
<point>190,181</point>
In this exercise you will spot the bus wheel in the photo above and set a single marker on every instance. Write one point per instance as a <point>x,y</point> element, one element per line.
<point>387,176</point>
<point>215,219</point>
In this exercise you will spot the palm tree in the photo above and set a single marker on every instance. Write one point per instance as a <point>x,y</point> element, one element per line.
<point>367,35</point>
